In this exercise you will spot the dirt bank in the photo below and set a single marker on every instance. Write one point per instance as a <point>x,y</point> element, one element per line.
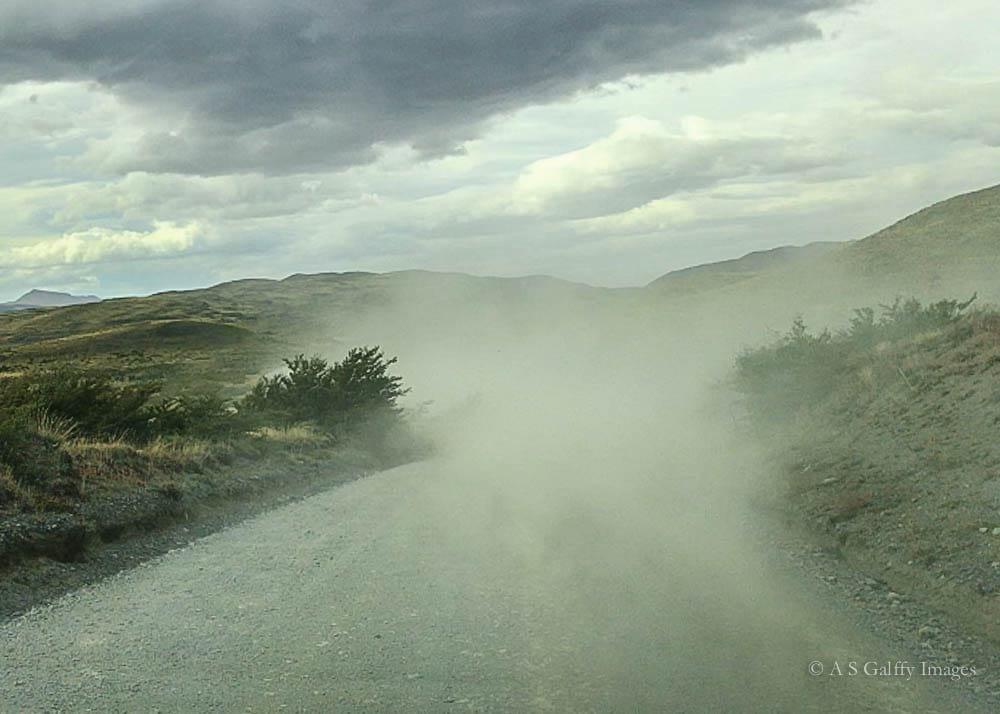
<point>897,469</point>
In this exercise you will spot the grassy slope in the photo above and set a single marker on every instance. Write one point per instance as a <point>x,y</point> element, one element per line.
<point>214,338</point>
<point>224,336</point>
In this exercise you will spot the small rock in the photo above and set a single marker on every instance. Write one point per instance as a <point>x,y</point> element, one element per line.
<point>996,531</point>
<point>984,529</point>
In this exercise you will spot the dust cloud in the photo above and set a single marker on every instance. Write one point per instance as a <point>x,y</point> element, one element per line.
<point>590,473</point>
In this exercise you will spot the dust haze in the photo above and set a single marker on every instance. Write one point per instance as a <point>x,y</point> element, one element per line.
<point>592,463</point>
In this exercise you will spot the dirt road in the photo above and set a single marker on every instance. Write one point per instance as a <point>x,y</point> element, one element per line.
<point>401,593</point>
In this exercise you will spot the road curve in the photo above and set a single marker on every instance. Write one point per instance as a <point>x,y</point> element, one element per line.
<point>396,593</point>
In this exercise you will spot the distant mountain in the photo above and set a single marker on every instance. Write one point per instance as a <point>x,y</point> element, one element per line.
<point>46,298</point>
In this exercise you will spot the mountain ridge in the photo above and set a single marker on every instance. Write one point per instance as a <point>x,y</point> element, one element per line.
<point>34,299</point>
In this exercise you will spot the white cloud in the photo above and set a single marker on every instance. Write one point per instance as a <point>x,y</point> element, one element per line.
<point>644,160</point>
<point>103,245</point>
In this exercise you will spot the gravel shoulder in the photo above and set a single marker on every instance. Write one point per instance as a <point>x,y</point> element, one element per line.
<point>956,661</point>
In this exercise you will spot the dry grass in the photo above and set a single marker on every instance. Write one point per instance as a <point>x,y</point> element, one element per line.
<point>55,428</point>
<point>297,435</point>
<point>10,490</point>
<point>182,453</point>
<point>111,460</point>
<point>117,461</point>
<point>177,455</point>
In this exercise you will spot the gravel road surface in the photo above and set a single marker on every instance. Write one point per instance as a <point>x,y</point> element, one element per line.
<point>400,592</point>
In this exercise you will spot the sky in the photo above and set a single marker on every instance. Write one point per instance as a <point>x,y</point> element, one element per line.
<point>148,145</point>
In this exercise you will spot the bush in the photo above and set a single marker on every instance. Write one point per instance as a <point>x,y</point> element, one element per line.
<point>905,318</point>
<point>35,461</point>
<point>15,442</point>
<point>59,428</point>
<point>801,368</point>
<point>306,392</point>
<point>95,403</point>
<point>202,415</point>
<point>359,388</point>
<point>364,383</point>
<point>797,369</point>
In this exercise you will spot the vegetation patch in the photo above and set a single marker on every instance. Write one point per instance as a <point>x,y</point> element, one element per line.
<point>70,435</point>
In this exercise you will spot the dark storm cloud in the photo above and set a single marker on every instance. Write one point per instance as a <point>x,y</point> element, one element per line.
<point>300,84</point>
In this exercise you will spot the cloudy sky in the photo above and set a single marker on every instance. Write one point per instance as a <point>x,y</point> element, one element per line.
<point>159,144</point>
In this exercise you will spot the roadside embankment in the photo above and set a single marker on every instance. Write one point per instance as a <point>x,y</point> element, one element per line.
<point>885,435</point>
<point>45,554</point>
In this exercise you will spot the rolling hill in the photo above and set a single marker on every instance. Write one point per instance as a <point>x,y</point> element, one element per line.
<point>227,334</point>
<point>231,332</point>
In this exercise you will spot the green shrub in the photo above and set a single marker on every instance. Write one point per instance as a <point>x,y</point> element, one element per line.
<point>14,441</point>
<point>364,383</point>
<point>797,370</point>
<point>359,388</point>
<point>199,415</point>
<point>36,462</point>
<point>95,403</point>
<point>306,392</point>
<point>800,368</point>
<point>905,318</point>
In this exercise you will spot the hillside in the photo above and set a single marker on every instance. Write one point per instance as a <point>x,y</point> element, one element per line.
<point>950,248</point>
<point>727,272</point>
<point>225,335</point>
<point>955,239</point>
